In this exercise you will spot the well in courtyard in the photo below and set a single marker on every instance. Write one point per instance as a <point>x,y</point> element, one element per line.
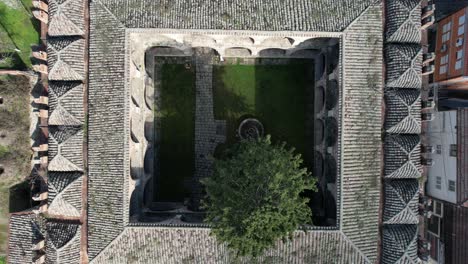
<point>278,92</point>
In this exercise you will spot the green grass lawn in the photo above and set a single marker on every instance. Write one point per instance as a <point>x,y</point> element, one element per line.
<point>177,145</point>
<point>21,27</point>
<point>275,94</point>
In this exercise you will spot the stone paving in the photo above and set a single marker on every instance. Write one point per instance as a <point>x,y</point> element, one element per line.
<point>208,131</point>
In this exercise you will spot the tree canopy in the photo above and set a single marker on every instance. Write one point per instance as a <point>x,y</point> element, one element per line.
<point>254,196</point>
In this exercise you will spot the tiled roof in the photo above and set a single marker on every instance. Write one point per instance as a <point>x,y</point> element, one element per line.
<point>361,152</point>
<point>67,154</point>
<point>401,202</point>
<point>24,231</point>
<point>402,156</point>
<point>403,21</point>
<point>267,15</point>
<point>400,244</point>
<point>66,104</point>
<point>66,18</point>
<point>63,241</point>
<point>106,136</point>
<point>107,140</point>
<point>403,111</point>
<point>189,245</point>
<point>66,63</point>
<point>60,233</point>
<point>65,193</point>
<point>404,65</point>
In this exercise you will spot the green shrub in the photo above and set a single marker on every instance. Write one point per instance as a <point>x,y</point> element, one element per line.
<point>254,196</point>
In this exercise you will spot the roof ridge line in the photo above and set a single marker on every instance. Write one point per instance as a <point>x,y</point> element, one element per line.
<point>376,2</point>
<point>345,237</point>
<point>69,242</point>
<point>110,243</point>
<point>407,18</point>
<point>111,14</point>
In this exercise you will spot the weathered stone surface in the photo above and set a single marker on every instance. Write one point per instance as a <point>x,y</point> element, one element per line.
<point>267,15</point>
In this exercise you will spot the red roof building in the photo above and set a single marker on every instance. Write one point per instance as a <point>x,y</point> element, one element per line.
<point>451,65</point>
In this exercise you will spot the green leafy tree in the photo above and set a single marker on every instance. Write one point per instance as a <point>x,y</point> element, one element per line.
<point>254,196</point>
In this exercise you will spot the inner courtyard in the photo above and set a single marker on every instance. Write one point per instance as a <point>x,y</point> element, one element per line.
<point>198,97</point>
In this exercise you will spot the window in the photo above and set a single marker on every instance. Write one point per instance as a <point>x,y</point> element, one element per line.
<point>458,64</point>
<point>461,20</point>
<point>446,31</point>
<point>438,208</point>
<point>444,48</point>
<point>443,69</point>
<point>438,183</point>
<point>451,185</point>
<point>433,225</point>
<point>459,42</point>
<point>453,150</point>
<point>446,27</point>
<point>459,54</point>
<point>461,30</point>
<point>444,60</point>
<point>439,149</point>
<point>446,37</point>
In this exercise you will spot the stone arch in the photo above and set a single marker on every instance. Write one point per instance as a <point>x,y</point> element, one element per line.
<point>135,202</point>
<point>149,160</point>
<point>331,127</point>
<point>199,40</point>
<point>278,42</point>
<point>237,52</point>
<point>314,43</point>
<point>238,41</point>
<point>160,40</point>
<point>273,52</point>
<point>319,99</point>
<point>333,57</point>
<point>136,162</point>
<point>318,164</point>
<point>164,50</point>
<point>331,168</point>
<point>149,129</point>
<point>332,94</point>
<point>135,124</point>
<point>319,66</point>
<point>203,50</point>
<point>319,129</point>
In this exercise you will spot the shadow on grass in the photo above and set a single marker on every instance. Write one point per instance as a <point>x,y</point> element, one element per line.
<point>20,197</point>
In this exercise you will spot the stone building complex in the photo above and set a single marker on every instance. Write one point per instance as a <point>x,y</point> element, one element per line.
<point>104,113</point>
